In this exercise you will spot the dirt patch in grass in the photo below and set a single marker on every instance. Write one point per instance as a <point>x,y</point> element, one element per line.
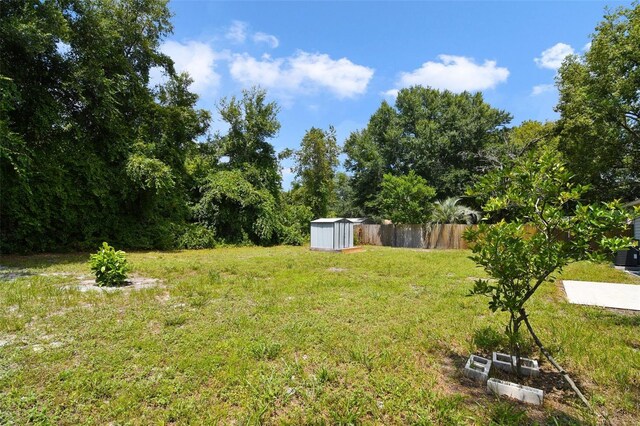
<point>10,274</point>
<point>133,283</point>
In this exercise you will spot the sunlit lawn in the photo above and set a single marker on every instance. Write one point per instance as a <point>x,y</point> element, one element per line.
<point>286,335</point>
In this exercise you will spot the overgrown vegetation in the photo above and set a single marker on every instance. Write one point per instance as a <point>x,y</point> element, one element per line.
<point>273,335</point>
<point>91,152</point>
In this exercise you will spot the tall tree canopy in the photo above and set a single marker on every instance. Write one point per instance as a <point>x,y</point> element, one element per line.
<point>240,199</point>
<point>437,134</point>
<point>89,151</point>
<point>252,122</point>
<point>600,108</point>
<point>316,163</point>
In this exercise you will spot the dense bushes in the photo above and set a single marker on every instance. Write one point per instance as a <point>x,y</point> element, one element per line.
<point>195,236</point>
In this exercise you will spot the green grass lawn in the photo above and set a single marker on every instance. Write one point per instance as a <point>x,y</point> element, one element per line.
<point>288,336</point>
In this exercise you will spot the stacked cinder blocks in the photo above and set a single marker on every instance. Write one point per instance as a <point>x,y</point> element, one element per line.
<point>477,368</point>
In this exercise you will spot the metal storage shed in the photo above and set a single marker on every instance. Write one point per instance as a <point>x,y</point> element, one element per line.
<point>331,234</point>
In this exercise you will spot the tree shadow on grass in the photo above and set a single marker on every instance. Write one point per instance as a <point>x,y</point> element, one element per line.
<point>42,260</point>
<point>620,317</point>
<point>45,260</point>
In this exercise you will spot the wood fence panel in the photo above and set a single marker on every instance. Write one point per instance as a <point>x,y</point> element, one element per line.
<point>387,235</point>
<point>447,236</point>
<point>408,236</point>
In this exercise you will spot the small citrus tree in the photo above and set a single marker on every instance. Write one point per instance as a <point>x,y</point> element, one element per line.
<point>550,229</point>
<point>109,266</point>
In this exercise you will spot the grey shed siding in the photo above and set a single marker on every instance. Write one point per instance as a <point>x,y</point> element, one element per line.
<point>636,228</point>
<point>331,234</point>
<point>322,236</point>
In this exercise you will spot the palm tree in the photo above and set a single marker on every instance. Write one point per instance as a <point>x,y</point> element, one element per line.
<point>449,211</point>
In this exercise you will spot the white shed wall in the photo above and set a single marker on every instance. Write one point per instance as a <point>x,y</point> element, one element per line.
<point>332,235</point>
<point>322,236</point>
<point>343,235</point>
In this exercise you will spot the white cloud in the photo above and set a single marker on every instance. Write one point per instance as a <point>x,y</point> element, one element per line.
<point>391,93</point>
<point>552,57</point>
<point>237,32</point>
<point>542,88</point>
<point>302,73</point>
<point>196,58</point>
<point>454,73</point>
<point>270,40</point>
<point>586,47</point>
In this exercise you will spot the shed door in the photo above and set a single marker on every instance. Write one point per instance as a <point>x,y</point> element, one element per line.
<point>322,235</point>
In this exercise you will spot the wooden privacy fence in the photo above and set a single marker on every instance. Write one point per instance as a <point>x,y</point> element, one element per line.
<point>446,236</point>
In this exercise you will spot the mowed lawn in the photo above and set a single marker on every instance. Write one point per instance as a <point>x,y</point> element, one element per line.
<point>284,335</point>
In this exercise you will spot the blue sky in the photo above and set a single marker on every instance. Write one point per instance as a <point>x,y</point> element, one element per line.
<point>332,63</point>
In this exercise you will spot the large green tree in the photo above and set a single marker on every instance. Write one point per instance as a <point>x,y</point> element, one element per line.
<point>315,168</point>
<point>240,199</point>
<point>437,134</point>
<point>252,122</point>
<point>600,108</point>
<point>89,151</point>
<point>405,199</point>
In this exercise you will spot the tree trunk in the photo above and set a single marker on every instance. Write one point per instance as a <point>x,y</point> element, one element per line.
<point>561,370</point>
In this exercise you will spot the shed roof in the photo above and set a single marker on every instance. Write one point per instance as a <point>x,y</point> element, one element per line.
<point>329,220</point>
<point>357,219</point>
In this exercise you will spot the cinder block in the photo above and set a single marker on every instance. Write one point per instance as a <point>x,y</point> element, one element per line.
<point>528,367</point>
<point>477,368</point>
<point>522,393</point>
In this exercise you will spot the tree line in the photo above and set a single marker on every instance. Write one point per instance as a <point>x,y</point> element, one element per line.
<point>92,152</point>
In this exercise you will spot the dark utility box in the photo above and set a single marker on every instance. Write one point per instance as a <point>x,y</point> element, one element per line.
<point>627,257</point>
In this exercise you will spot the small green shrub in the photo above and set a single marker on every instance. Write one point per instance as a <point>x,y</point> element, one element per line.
<point>110,266</point>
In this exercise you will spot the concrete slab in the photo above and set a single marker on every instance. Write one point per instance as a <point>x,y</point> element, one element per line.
<point>608,295</point>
